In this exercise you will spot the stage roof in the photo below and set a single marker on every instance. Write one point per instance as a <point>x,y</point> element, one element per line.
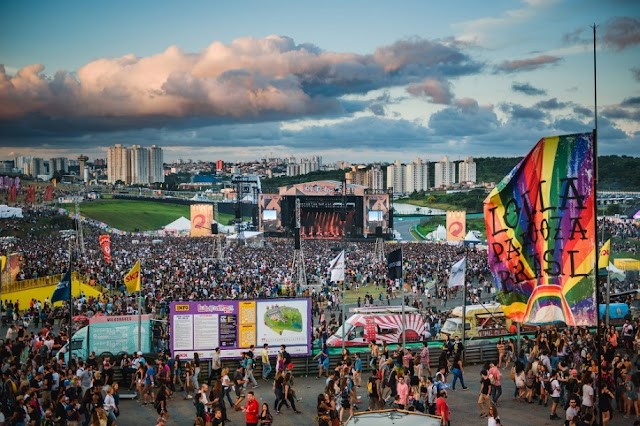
<point>321,188</point>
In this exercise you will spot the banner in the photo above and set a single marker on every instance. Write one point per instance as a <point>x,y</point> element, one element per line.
<point>105,246</point>
<point>201,218</point>
<point>63,289</point>
<point>132,279</point>
<point>394,264</point>
<point>13,194</point>
<point>337,268</point>
<point>603,258</point>
<point>457,275</point>
<point>541,234</point>
<point>48,193</point>
<point>456,225</point>
<point>31,195</point>
<point>13,266</point>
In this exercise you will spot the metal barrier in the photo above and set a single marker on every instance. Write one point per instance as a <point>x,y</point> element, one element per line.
<point>46,282</point>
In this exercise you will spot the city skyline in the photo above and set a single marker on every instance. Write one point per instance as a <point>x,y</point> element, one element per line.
<point>376,82</point>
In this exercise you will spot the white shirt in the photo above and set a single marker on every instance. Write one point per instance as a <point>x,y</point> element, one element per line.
<point>587,395</point>
<point>555,388</point>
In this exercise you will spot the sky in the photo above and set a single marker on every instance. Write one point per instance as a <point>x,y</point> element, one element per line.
<point>359,80</point>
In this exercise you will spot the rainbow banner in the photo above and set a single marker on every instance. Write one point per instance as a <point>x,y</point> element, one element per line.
<point>541,234</point>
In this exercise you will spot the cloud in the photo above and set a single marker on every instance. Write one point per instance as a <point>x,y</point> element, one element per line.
<point>631,102</point>
<point>438,91</point>
<point>527,89</point>
<point>621,32</point>
<point>551,104</point>
<point>530,64</point>
<point>621,113</point>
<point>582,111</point>
<point>635,72</point>
<point>465,119</point>
<point>576,37</point>
<point>246,81</point>
<point>519,112</point>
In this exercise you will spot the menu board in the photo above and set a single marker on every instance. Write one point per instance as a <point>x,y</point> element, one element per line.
<point>228,331</point>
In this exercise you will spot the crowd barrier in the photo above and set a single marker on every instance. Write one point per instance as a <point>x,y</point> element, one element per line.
<point>47,281</point>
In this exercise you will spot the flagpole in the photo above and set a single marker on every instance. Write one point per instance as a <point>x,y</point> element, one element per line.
<point>140,317</point>
<point>595,208</point>
<point>344,279</point>
<point>404,321</point>
<point>464,310</point>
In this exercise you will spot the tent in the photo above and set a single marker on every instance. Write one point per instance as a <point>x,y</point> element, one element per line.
<point>440,234</point>
<point>615,273</point>
<point>394,417</point>
<point>7,212</point>
<point>178,226</point>
<point>471,240</point>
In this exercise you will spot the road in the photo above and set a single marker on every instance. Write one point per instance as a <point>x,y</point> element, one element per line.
<point>403,226</point>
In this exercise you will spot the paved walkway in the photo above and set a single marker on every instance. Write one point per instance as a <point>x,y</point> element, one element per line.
<point>463,405</point>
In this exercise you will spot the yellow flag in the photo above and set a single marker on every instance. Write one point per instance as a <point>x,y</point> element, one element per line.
<point>132,279</point>
<point>3,261</point>
<point>54,181</point>
<point>603,260</point>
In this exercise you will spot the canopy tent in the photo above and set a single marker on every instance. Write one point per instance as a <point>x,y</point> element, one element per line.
<point>8,212</point>
<point>180,225</point>
<point>395,417</point>
<point>615,273</point>
<point>470,239</point>
<point>247,235</point>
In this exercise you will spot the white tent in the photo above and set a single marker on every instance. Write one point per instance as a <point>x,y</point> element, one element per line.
<point>8,212</point>
<point>394,417</point>
<point>439,234</point>
<point>615,273</point>
<point>470,239</point>
<point>179,225</point>
<point>248,235</point>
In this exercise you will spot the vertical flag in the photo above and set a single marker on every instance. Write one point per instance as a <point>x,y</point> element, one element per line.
<point>337,267</point>
<point>603,259</point>
<point>31,195</point>
<point>13,194</point>
<point>394,264</point>
<point>105,246</point>
<point>54,181</point>
<point>458,270</point>
<point>48,193</point>
<point>541,233</point>
<point>456,225</point>
<point>63,289</point>
<point>132,279</point>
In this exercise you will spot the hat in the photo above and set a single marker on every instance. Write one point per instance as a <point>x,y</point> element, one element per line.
<point>139,353</point>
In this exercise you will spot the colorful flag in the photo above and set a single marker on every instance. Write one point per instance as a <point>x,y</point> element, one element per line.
<point>458,270</point>
<point>603,259</point>
<point>31,195</point>
<point>63,289</point>
<point>132,279</point>
<point>394,264</point>
<point>105,246</point>
<point>456,225</point>
<point>541,234</point>
<point>13,194</point>
<point>337,268</point>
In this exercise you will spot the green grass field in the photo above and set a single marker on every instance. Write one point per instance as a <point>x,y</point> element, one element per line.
<point>127,215</point>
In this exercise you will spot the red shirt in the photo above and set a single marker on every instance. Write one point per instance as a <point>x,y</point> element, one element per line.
<point>442,409</point>
<point>251,411</point>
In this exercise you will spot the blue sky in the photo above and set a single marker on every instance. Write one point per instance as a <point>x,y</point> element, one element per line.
<point>355,80</point>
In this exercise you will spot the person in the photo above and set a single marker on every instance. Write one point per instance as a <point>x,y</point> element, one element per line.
<point>218,419</point>
<point>501,347</point>
<point>573,410</point>
<point>324,409</point>
<point>248,371</point>
<point>556,390</point>
<point>402,389</point>
<point>188,380</point>
<point>226,384</point>
<point>288,394</point>
<point>216,366</point>
<point>239,382</point>
<point>265,415</point>
<point>374,390</point>
<point>216,396</point>
<point>357,370</point>
<point>485,391</point>
<point>345,399</point>
<point>495,376</point>
<point>251,410</point>
<point>266,363</point>
<point>457,370</point>
<point>442,409</point>
<point>161,401</point>
<point>200,408</point>
<point>604,403</point>
<point>425,361</point>
<point>493,418</point>
<point>323,361</point>
<point>110,406</point>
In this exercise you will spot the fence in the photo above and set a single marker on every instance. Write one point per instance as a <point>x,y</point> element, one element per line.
<point>50,280</point>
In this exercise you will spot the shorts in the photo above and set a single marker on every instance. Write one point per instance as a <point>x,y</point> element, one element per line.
<point>555,399</point>
<point>482,398</point>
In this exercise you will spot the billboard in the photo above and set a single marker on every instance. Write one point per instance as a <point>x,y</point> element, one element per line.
<point>234,325</point>
<point>118,334</point>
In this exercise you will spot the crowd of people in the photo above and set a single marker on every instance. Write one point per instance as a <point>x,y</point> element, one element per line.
<point>40,386</point>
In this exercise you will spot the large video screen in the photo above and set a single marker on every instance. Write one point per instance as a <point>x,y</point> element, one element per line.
<point>375,216</point>
<point>269,215</point>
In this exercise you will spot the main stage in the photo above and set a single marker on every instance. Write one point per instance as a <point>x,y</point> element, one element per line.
<point>328,210</point>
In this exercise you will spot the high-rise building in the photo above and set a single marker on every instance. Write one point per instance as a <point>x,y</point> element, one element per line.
<point>139,165</point>
<point>416,176</point>
<point>467,171</point>
<point>356,176</point>
<point>22,162</point>
<point>58,164</point>
<point>445,173</point>
<point>35,167</point>
<point>219,165</point>
<point>118,168</point>
<point>375,178</point>
<point>293,169</point>
<point>156,164</point>
<point>395,177</point>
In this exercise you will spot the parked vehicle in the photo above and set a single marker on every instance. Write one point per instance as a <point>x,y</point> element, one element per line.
<point>379,324</point>
<point>483,320</point>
